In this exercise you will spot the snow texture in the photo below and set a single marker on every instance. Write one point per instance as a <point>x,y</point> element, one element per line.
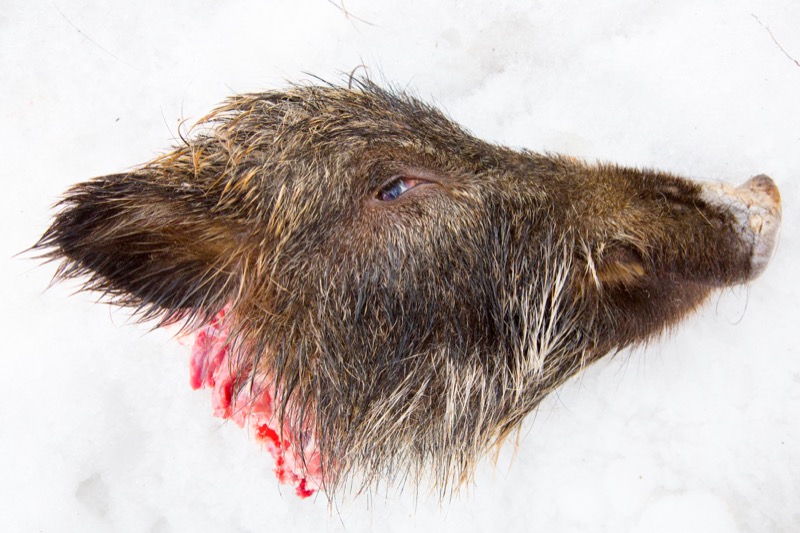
<point>699,432</point>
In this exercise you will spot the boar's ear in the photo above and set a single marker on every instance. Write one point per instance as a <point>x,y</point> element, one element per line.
<point>156,245</point>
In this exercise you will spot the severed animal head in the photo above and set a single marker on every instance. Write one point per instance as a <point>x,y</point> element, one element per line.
<point>395,294</point>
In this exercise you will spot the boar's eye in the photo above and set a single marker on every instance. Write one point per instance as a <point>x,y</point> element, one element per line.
<point>396,187</point>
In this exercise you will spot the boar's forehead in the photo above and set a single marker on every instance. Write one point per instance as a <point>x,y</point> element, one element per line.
<point>337,139</point>
<point>337,119</point>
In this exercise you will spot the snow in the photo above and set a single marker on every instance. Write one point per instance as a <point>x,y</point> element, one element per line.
<point>700,431</point>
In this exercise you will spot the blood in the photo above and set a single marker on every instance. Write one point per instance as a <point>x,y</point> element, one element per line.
<point>211,367</point>
<point>302,490</point>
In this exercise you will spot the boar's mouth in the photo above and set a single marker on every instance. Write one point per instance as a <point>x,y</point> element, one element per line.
<point>704,236</point>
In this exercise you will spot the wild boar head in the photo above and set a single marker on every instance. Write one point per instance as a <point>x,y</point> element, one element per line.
<point>409,292</point>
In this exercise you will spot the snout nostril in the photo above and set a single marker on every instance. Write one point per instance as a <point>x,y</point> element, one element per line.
<point>756,209</point>
<point>763,185</point>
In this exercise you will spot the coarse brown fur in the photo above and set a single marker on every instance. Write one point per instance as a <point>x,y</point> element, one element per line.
<point>409,335</point>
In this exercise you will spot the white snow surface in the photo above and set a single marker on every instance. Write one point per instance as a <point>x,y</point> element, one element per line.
<point>697,432</point>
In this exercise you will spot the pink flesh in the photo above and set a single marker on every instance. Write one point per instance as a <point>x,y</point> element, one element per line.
<point>253,406</point>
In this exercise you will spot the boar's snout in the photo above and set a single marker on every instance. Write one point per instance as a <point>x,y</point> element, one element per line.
<point>756,208</point>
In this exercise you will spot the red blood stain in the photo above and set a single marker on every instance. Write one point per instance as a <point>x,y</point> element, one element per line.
<point>210,367</point>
